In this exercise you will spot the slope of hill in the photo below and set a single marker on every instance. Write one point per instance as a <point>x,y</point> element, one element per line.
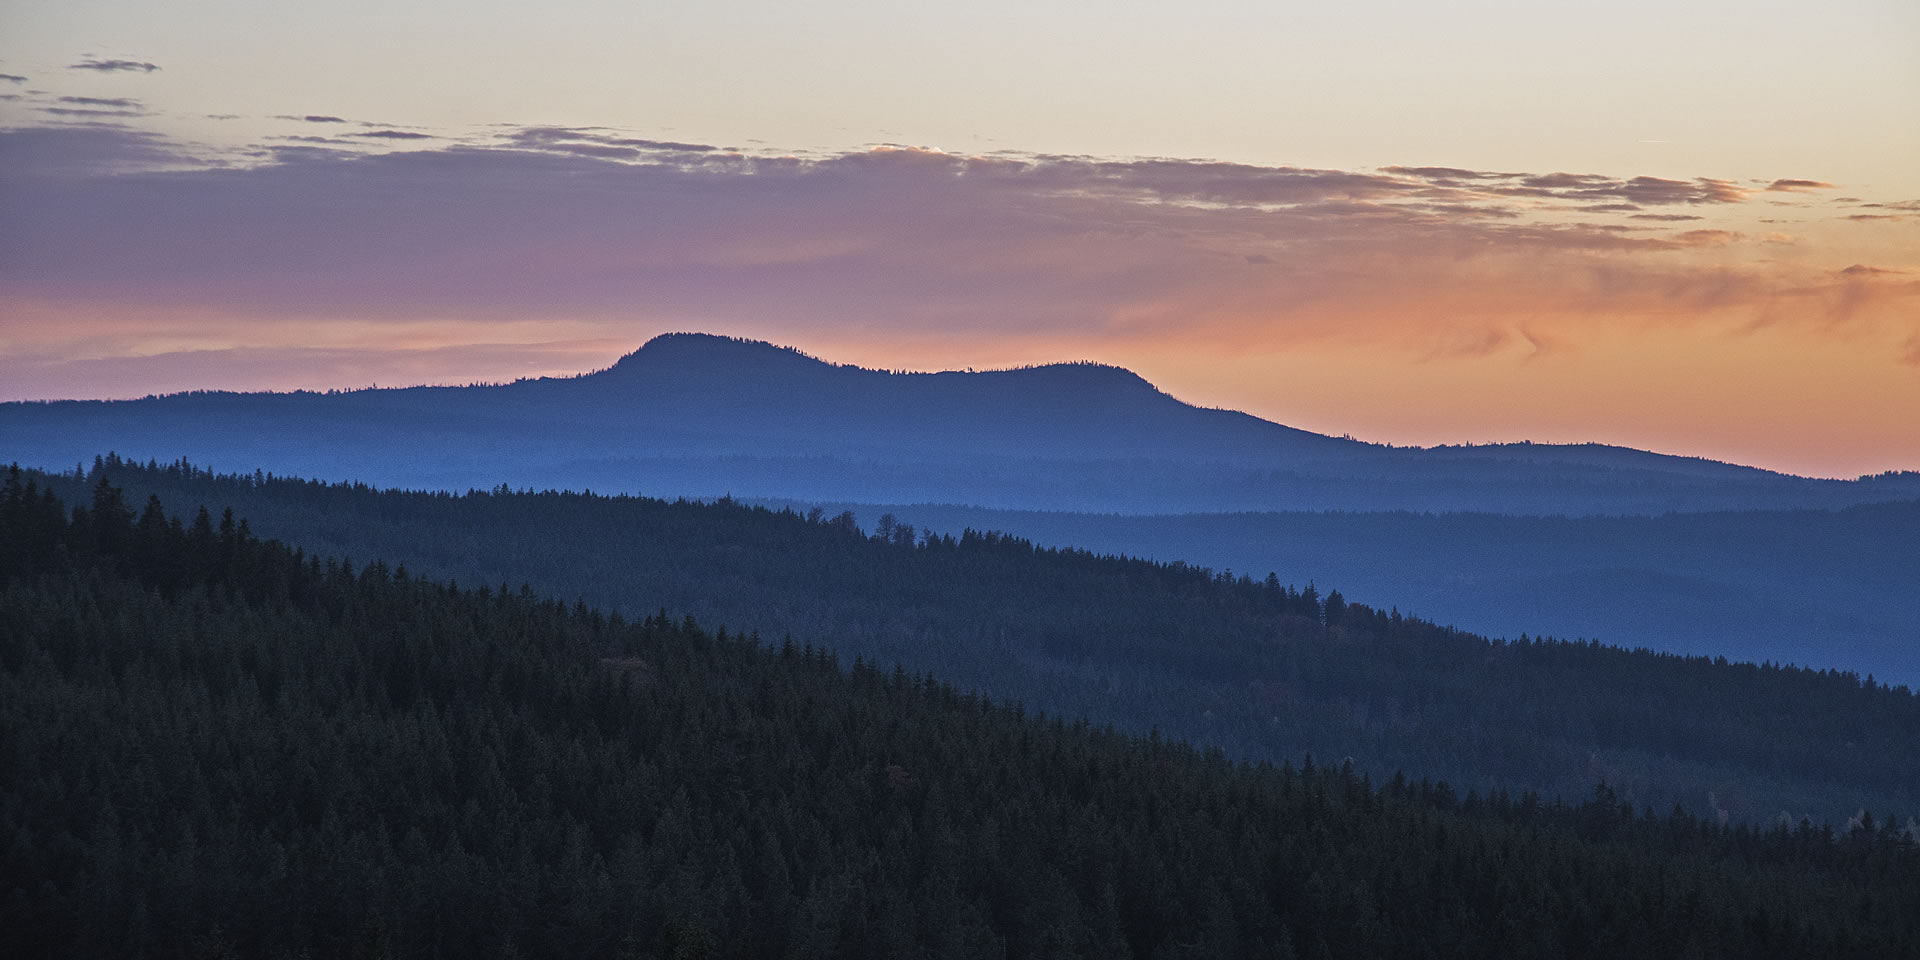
<point>1815,587</point>
<point>214,746</point>
<point>702,415</point>
<point>1247,665</point>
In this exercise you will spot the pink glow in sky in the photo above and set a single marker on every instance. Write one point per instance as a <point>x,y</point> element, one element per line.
<point>1705,242</point>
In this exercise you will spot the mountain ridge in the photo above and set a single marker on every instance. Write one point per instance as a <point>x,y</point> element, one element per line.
<point>701,415</point>
<point>709,347</point>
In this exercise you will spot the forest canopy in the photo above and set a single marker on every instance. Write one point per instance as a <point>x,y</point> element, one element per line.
<point>216,745</point>
<point>1243,661</point>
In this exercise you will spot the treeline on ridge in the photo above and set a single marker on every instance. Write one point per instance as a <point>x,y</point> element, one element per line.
<point>213,746</point>
<point>1248,665</point>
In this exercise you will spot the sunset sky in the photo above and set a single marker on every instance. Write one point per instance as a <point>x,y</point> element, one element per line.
<point>1693,227</point>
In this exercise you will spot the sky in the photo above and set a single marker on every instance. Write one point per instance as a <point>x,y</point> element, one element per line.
<point>1687,227</point>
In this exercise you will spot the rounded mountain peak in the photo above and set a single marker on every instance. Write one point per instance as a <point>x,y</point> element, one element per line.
<point>1083,374</point>
<point>702,350</point>
<point>683,353</point>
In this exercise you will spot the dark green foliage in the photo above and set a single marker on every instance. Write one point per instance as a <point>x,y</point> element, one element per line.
<point>216,746</point>
<point>1201,655</point>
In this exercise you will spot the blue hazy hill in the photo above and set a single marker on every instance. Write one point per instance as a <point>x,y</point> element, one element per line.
<point>701,415</point>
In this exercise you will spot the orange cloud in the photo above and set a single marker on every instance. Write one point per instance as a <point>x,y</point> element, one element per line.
<point>309,265</point>
<point>1791,185</point>
<point>1706,238</point>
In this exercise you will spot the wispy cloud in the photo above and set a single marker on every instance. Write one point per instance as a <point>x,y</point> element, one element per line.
<point>88,112</point>
<point>1656,190</point>
<point>12,78</point>
<point>121,103</point>
<point>1799,186</point>
<point>584,140</point>
<point>589,220</point>
<point>114,66</point>
<point>1706,238</point>
<point>1444,173</point>
<point>1590,187</point>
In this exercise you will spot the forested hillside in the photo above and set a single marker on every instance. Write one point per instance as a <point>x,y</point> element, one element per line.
<point>1265,670</point>
<point>1820,588</point>
<point>215,746</point>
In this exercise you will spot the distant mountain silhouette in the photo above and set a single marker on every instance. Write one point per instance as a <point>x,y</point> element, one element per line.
<point>702,415</point>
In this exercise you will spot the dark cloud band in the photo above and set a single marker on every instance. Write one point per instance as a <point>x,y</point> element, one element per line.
<point>568,222</point>
<point>117,103</point>
<point>114,66</point>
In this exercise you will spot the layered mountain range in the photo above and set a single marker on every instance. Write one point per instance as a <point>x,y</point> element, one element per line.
<point>1630,547</point>
<point>701,415</point>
